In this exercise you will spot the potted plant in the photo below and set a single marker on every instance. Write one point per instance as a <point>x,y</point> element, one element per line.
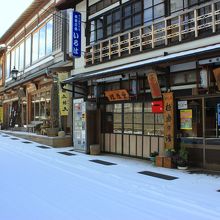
<point>168,159</point>
<point>153,156</point>
<point>182,159</point>
<point>53,130</point>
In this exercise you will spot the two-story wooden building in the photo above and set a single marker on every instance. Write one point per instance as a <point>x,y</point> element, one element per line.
<point>131,47</point>
<point>36,46</point>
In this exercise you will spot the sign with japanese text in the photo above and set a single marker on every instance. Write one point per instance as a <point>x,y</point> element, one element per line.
<point>154,85</point>
<point>117,95</point>
<point>63,96</point>
<point>76,34</point>
<point>186,119</point>
<point>218,113</point>
<point>182,104</point>
<point>168,120</point>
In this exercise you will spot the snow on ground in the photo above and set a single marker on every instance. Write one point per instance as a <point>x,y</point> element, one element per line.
<point>41,184</point>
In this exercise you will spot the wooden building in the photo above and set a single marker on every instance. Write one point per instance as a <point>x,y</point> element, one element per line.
<point>125,41</point>
<point>36,47</point>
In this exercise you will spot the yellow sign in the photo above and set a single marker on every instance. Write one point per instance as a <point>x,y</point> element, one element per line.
<point>186,119</point>
<point>1,115</point>
<point>168,120</point>
<point>63,96</point>
<point>117,95</point>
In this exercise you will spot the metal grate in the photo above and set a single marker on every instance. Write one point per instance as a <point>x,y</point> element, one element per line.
<point>106,163</point>
<point>43,147</point>
<point>67,153</point>
<point>26,142</point>
<point>14,139</point>
<point>158,175</point>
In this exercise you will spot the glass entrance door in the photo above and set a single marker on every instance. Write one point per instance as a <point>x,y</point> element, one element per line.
<point>198,125</point>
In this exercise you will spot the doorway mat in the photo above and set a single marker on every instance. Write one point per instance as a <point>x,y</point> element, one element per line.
<point>106,163</point>
<point>158,175</point>
<point>5,136</point>
<point>71,150</point>
<point>66,153</point>
<point>14,138</point>
<point>43,147</point>
<point>205,172</point>
<point>26,142</point>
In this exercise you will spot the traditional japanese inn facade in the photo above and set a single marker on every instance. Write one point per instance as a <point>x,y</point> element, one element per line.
<point>139,75</point>
<point>148,77</point>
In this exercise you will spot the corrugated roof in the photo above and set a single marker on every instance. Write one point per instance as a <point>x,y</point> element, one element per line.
<point>28,13</point>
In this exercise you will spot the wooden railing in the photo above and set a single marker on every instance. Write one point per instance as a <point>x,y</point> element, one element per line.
<point>198,22</point>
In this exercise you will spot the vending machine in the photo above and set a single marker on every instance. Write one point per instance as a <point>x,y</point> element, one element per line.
<point>85,125</point>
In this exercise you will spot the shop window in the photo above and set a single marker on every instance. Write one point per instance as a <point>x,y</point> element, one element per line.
<point>131,118</point>
<point>117,118</point>
<point>153,123</point>
<point>128,118</point>
<point>40,106</point>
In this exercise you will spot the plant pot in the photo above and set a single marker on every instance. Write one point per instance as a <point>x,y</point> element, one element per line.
<point>52,132</point>
<point>153,160</point>
<point>182,168</point>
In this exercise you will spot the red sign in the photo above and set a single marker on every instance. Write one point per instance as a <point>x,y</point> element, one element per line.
<point>157,106</point>
<point>154,85</point>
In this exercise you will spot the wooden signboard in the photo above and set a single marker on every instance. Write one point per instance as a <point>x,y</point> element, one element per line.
<point>63,96</point>
<point>154,85</point>
<point>168,120</point>
<point>217,76</point>
<point>117,95</point>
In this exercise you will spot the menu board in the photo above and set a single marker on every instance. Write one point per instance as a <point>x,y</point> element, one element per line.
<point>186,119</point>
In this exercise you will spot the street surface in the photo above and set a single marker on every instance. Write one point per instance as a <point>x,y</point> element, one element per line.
<point>42,184</point>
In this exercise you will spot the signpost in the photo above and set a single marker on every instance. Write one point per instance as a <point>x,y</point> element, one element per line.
<point>76,34</point>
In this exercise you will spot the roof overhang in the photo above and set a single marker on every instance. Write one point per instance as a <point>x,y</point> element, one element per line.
<point>66,4</point>
<point>157,60</point>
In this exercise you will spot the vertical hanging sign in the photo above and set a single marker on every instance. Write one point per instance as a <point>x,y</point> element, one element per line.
<point>76,34</point>
<point>218,114</point>
<point>168,120</point>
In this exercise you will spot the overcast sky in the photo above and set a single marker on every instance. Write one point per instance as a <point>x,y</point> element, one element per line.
<point>10,11</point>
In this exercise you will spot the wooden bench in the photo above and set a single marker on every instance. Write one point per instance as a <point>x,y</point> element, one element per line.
<point>33,126</point>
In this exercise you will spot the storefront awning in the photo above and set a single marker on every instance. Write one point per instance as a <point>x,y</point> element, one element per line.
<point>66,4</point>
<point>170,57</point>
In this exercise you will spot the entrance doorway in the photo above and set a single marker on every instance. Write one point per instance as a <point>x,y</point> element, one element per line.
<point>198,129</point>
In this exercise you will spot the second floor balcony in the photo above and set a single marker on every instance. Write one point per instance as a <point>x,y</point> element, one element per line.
<point>188,25</point>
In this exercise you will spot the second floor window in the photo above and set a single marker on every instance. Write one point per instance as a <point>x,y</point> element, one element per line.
<point>42,42</point>
<point>125,17</point>
<point>36,46</point>
<point>28,51</point>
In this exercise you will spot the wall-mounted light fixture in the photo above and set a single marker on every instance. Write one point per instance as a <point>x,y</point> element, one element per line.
<point>14,73</point>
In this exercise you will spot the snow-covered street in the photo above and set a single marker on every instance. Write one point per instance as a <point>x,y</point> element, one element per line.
<point>42,184</point>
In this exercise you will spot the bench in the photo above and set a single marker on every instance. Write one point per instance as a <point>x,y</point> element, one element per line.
<point>33,126</point>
